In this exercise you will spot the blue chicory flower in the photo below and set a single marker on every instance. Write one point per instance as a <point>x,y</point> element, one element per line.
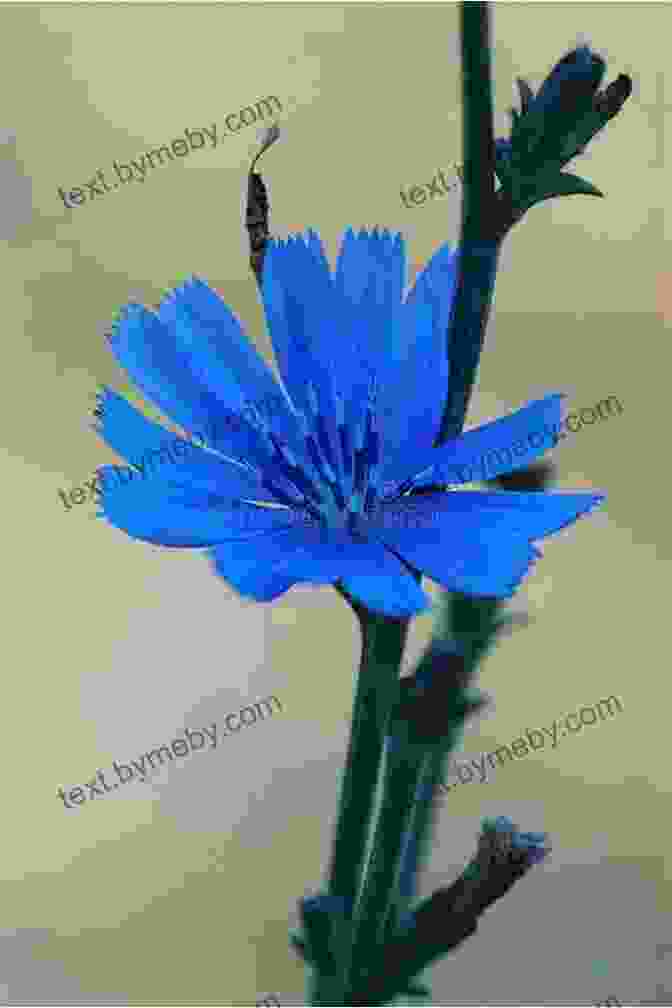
<point>320,487</point>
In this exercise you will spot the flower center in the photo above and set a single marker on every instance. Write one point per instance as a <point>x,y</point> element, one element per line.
<point>339,485</point>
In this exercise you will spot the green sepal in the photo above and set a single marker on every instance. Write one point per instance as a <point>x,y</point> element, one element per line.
<point>562,184</point>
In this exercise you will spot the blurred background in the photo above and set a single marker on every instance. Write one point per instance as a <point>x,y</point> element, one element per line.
<point>180,891</point>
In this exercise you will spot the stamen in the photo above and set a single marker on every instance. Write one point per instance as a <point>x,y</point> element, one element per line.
<point>361,469</point>
<point>318,459</point>
<point>372,489</point>
<point>252,415</point>
<point>293,471</point>
<point>346,450</point>
<point>372,442</point>
<point>327,439</point>
<point>339,409</point>
<point>339,496</point>
<point>410,483</point>
<point>321,440</point>
<point>283,450</point>
<point>370,499</point>
<point>355,503</point>
<point>287,494</point>
<point>358,435</point>
<point>313,401</point>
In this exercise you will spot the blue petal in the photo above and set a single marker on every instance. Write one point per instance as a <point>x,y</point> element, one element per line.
<point>503,446</point>
<point>532,514</point>
<point>273,563</point>
<point>139,440</point>
<point>224,429</point>
<point>221,357</point>
<point>143,347</point>
<point>266,567</point>
<point>181,516</point>
<point>458,552</point>
<point>391,590</point>
<point>250,567</point>
<point>535,514</point>
<point>175,378</point>
<point>371,272</point>
<point>369,280</point>
<point>484,565</point>
<point>302,314</point>
<point>477,543</point>
<point>311,316</point>
<point>412,399</point>
<point>435,285</point>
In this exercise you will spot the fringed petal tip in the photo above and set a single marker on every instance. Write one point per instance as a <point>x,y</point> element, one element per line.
<point>98,410</point>
<point>303,236</point>
<point>372,233</point>
<point>536,553</point>
<point>172,294</point>
<point>104,396</point>
<point>593,502</point>
<point>128,313</point>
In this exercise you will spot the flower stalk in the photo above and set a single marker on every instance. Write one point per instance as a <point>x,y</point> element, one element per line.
<point>382,643</point>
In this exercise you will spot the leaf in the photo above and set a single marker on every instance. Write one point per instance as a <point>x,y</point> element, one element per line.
<point>562,184</point>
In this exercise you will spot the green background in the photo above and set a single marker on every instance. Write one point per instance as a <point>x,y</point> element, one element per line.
<point>180,891</point>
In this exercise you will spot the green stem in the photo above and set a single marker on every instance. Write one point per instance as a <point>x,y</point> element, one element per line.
<point>380,889</point>
<point>480,239</point>
<point>383,642</point>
